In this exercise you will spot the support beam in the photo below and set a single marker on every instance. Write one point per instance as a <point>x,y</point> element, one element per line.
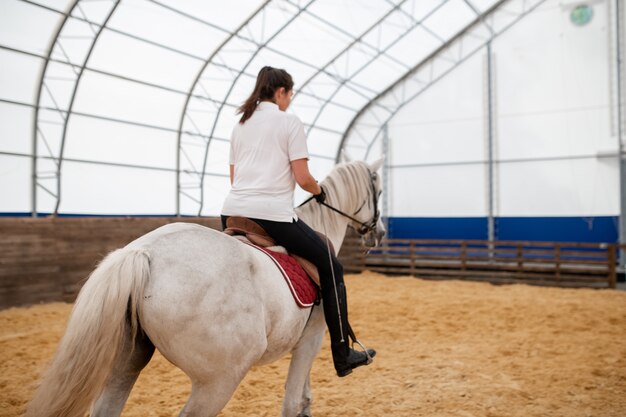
<point>385,179</point>
<point>79,76</point>
<point>40,84</point>
<point>619,44</point>
<point>209,60</point>
<point>491,235</point>
<point>289,21</point>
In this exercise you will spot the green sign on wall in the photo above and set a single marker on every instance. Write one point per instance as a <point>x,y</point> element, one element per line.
<point>581,15</point>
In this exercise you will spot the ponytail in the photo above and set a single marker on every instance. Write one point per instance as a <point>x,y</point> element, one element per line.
<point>267,82</point>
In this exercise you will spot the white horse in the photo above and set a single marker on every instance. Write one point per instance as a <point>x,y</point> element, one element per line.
<point>210,304</point>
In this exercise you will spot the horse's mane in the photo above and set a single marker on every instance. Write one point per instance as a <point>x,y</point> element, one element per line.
<point>346,187</point>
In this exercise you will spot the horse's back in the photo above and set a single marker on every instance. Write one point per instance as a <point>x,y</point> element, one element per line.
<point>188,251</point>
<point>168,231</point>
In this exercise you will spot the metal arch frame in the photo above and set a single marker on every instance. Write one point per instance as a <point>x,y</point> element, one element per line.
<point>477,13</point>
<point>66,16</point>
<point>357,39</point>
<point>189,93</point>
<point>319,70</point>
<point>73,97</point>
<point>416,23</point>
<point>461,60</point>
<point>358,89</point>
<point>208,61</point>
<point>459,37</point>
<point>80,68</point>
<point>114,164</point>
<point>126,34</point>
<point>38,128</point>
<point>153,43</point>
<point>435,54</point>
<point>404,12</point>
<point>232,86</point>
<point>50,48</point>
<point>264,45</point>
<point>354,41</point>
<point>230,90</point>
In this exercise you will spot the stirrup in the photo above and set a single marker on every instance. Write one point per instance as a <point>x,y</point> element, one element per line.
<point>369,358</point>
<point>355,340</point>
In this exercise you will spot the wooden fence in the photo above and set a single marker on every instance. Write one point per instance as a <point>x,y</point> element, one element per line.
<point>47,259</point>
<point>540,263</point>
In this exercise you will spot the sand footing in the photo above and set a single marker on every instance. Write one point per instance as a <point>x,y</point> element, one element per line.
<point>446,348</point>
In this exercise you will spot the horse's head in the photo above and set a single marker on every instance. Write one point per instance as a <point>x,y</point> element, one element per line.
<point>357,189</point>
<point>352,193</point>
<point>371,228</point>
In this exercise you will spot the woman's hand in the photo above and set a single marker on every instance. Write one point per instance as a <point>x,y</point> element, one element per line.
<point>321,197</point>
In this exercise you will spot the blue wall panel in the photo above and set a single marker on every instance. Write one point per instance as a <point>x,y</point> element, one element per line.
<point>437,228</point>
<point>557,229</point>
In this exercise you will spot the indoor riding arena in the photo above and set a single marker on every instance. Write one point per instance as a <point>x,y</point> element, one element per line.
<point>492,133</point>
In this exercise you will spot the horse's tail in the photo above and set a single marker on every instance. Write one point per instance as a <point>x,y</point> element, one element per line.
<point>106,306</point>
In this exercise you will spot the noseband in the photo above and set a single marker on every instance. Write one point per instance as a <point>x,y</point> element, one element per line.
<point>365,227</point>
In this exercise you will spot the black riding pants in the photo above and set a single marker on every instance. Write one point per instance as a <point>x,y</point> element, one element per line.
<point>299,239</point>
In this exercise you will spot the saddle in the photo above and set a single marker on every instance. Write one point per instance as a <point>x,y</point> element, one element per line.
<point>244,227</point>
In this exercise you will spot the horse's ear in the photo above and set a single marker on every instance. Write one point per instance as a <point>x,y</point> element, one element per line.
<point>375,166</point>
<point>345,157</point>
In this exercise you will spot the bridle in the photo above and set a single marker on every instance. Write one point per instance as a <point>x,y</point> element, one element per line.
<point>365,228</point>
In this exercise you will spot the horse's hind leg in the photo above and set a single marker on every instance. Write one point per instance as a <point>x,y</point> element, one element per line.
<point>209,398</point>
<point>125,372</point>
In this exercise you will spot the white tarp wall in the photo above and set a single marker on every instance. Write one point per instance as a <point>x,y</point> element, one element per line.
<point>555,126</point>
<point>438,149</point>
<point>555,118</point>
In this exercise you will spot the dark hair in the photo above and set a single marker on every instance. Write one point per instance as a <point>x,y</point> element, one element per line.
<point>267,82</point>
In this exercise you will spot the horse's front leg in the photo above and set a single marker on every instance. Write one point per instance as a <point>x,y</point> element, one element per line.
<point>306,398</point>
<point>297,389</point>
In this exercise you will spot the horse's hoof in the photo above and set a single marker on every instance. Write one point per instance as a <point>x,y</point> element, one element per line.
<point>304,415</point>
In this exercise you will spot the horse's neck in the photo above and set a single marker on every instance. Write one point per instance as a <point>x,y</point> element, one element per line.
<point>326,221</point>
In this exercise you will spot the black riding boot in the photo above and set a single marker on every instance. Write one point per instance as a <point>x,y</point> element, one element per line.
<point>345,358</point>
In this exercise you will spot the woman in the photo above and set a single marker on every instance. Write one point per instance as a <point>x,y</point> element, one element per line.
<point>268,156</point>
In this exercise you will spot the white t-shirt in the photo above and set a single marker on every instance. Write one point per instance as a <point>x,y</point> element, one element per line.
<point>261,150</point>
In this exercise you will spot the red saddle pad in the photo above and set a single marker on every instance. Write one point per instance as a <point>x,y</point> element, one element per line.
<point>303,289</point>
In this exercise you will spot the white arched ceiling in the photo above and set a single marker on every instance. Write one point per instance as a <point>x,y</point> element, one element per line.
<point>136,98</point>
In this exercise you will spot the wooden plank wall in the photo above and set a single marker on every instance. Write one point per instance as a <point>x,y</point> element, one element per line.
<point>47,259</point>
<point>539,263</point>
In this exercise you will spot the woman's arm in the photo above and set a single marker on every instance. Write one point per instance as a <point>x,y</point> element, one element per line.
<point>232,174</point>
<point>305,180</point>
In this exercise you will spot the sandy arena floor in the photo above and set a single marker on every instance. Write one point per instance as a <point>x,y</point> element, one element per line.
<point>444,349</point>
